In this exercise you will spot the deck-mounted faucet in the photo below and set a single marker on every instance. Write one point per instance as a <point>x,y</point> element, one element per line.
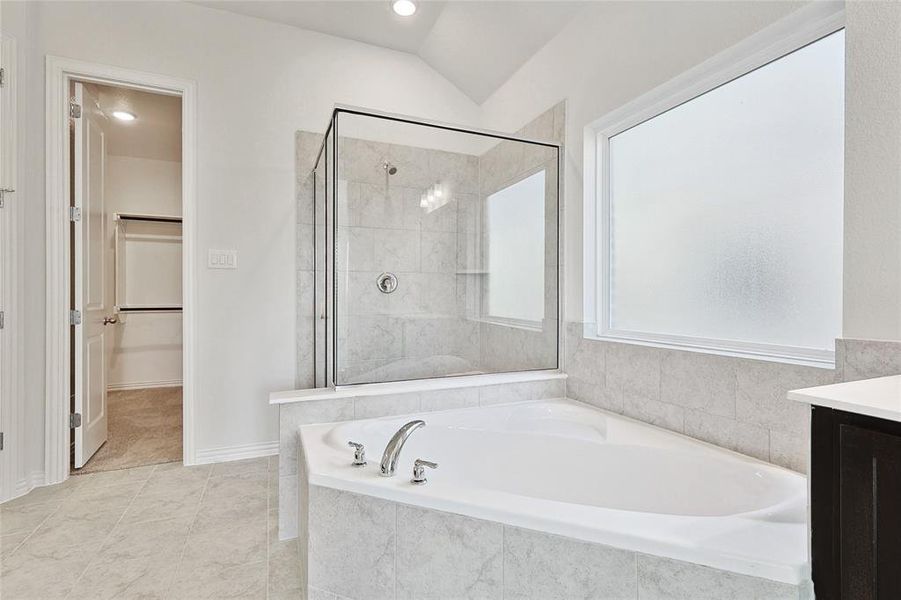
<point>395,445</point>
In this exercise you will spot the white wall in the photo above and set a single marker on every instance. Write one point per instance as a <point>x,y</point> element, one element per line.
<point>872,274</point>
<point>146,347</point>
<point>615,51</point>
<point>258,83</point>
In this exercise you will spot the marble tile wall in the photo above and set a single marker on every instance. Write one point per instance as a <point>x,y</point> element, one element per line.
<point>383,228</point>
<point>359,547</point>
<point>736,403</point>
<point>293,415</point>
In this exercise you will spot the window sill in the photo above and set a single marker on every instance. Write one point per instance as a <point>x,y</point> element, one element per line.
<point>820,359</point>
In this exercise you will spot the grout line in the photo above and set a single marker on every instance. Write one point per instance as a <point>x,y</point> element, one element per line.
<point>181,554</point>
<point>110,533</point>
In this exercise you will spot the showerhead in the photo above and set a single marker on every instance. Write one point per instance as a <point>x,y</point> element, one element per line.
<point>390,169</point>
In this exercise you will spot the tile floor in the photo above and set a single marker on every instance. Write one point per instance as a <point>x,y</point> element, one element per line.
<point>163,531</point>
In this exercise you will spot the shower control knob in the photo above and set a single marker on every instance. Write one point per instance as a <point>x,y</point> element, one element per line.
<point>359,454</point>
<point>419,470</point>
<point>386,282</point>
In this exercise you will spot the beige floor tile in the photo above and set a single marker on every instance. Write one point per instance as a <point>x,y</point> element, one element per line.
<point>284,568</point>
<point>247,582</point>
<point>155,507</point>
<point>25,517</point>
<point>227,547</point>
<point>45,494</point>
<point>36,570</point>
<point>236,467</point>
<point>115,477</point>
<point>9,543</point>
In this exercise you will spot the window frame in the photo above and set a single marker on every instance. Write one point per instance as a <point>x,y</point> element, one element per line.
<point>799,29</point>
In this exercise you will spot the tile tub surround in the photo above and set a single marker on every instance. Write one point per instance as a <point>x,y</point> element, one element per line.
<point>461,392</point>
<point>359,547</point>
<point>736,403</point>
<point>165,531</point>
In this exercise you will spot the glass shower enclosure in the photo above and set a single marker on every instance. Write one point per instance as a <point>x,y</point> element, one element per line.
<point>435,251</point>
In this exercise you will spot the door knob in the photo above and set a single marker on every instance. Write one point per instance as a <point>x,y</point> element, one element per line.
<point>110,320</point>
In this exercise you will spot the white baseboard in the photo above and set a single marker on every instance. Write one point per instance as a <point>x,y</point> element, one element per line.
<point>25,485</point>
<point>229,453</point>
<point>144,385</point>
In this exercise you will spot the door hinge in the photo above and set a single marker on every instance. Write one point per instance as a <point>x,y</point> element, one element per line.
<point>2,76</point>
<point>3,193</point>
<point>2,319</point>
<point>74,420</point>
<point>74,214</point>
<point>74,317</point>
<point>74,110</point>
<point>1,440</point>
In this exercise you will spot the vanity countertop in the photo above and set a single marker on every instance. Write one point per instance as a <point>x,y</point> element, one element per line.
<point>880,397</point>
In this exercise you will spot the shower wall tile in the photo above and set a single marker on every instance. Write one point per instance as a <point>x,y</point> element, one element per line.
<point>375,205</point>
<point>368,336</point>
<point>459,171</point>
<point>439,252</point>
<point>396,251</point>
<point>412,166</point>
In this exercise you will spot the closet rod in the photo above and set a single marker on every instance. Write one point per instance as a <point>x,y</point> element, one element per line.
<point>147,309</point>
<point>148,218</point>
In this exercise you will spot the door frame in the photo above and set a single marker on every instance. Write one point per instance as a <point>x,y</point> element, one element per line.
<point>12,476</point>
<point>60,72</point>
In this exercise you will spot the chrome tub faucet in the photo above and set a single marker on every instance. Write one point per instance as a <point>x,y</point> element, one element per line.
<point>395,445</point>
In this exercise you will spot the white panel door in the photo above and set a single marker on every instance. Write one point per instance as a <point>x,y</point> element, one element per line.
<point>90,271</point>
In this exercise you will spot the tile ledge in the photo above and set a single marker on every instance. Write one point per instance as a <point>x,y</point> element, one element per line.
<point>405,387</point>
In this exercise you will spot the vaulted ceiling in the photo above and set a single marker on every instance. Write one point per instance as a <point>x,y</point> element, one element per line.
<point>476,44</point>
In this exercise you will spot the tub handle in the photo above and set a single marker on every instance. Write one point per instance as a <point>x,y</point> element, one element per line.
<point>419,470</point>
<point>359,454</point>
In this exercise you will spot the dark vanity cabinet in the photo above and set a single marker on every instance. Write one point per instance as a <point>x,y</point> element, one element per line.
<point>855,484</point>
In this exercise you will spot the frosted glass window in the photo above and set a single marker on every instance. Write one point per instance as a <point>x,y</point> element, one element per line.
<point>516,250</point>
<point>725,212</point>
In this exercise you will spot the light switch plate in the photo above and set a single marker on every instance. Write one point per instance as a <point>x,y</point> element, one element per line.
<point>223,259</point>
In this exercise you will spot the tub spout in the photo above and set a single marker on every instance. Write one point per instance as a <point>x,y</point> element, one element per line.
<point>395,445</point>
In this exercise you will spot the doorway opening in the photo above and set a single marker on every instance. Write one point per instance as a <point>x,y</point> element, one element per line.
<point>126,297</point>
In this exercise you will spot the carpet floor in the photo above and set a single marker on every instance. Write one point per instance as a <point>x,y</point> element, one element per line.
<point>144,428</point>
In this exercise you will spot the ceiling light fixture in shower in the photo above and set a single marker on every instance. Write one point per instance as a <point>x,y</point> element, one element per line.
<point>434,198</point>
<point>124,115</point>
<point>404,8</point>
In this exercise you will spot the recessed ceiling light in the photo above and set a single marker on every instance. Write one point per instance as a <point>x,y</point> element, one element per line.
<point>124,115</point>
<point>404,8</point>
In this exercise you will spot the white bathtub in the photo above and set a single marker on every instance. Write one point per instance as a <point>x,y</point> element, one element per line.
<point>562,467</point>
